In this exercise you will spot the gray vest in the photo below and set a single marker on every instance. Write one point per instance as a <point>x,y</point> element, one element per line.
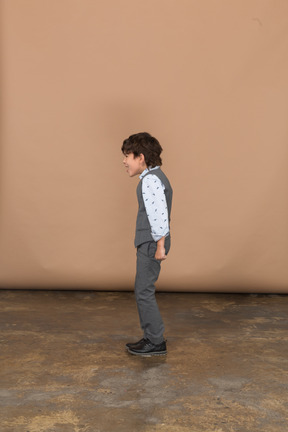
<point>143,228</point>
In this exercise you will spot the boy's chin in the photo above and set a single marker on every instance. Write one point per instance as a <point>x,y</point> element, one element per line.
<point>132,174</point>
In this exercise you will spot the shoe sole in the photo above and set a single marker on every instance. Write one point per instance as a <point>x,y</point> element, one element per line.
<point>156,353</point>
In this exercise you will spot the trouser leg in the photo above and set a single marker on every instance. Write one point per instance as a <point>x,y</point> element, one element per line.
<point>148,269</point>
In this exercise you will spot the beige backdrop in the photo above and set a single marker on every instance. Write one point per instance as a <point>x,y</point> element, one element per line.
<point>208,78</point>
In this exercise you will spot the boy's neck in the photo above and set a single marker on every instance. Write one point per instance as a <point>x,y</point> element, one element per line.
<point>147,169</point>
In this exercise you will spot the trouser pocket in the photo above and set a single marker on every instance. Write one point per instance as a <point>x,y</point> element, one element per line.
<point>151,250</point>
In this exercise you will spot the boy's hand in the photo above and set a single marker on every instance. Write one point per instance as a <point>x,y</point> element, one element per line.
<point>160,252</point>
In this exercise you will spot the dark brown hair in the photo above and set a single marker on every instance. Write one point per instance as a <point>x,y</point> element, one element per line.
<point>144,143</point>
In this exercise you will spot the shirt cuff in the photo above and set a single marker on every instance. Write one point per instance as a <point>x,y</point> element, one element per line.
<point>158,237</point>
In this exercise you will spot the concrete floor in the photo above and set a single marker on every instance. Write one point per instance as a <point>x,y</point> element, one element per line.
<point>64,367</point>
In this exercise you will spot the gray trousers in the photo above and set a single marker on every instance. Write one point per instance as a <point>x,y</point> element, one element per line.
<point>147,273</point>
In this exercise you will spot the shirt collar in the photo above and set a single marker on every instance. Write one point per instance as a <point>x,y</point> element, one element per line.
<point>147,170</point>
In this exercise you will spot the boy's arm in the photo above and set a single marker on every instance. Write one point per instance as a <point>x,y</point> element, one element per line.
<point>160,252</point>
<point>156,209</point>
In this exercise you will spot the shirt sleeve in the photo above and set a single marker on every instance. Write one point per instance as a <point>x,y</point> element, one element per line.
<point>156,206</point>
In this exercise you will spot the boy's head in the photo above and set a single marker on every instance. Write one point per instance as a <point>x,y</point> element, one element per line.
<point>141,150</point>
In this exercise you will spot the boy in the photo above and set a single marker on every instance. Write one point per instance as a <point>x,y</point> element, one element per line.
<point>152,239</point>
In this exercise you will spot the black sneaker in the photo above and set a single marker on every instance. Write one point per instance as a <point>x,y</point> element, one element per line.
<point>146,348</point>
<point>132,344</point>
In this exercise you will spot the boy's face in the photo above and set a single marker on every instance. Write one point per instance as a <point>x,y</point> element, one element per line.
<point>134,165</point>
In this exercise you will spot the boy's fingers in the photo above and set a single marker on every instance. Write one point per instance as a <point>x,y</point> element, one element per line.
<point>163,258</point>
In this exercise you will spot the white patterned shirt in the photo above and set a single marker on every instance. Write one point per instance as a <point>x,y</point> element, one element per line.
<point>155,204</point>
